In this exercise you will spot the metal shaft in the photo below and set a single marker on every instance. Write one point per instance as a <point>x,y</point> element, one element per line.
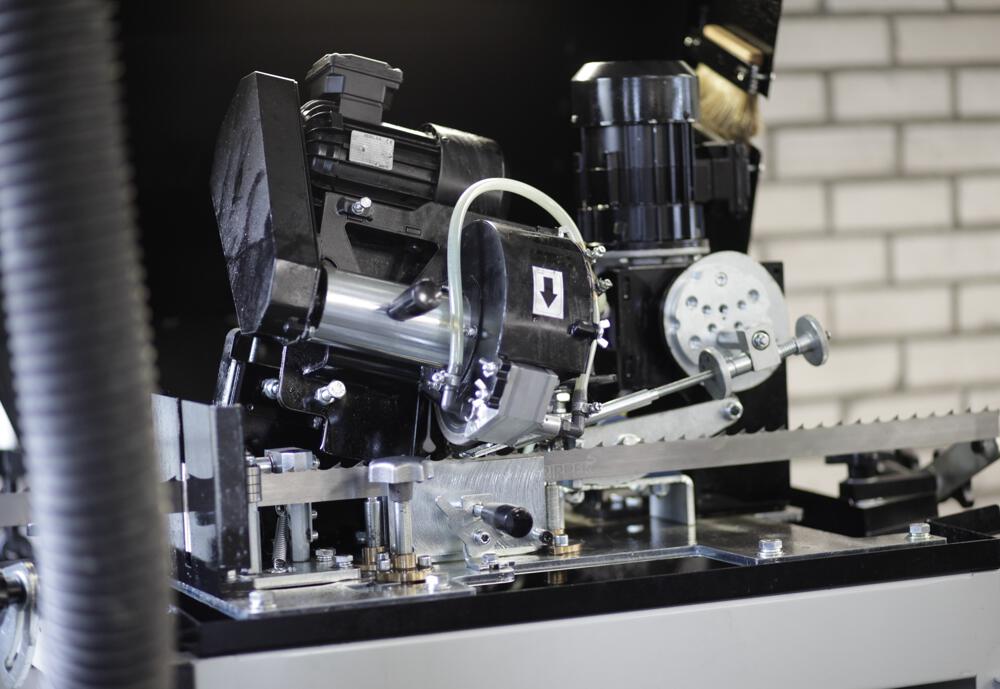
<point>402,520</point>
<point>354,317</point>
<point>373,523</point>
<point>555,515</point>
<point>641,398</point>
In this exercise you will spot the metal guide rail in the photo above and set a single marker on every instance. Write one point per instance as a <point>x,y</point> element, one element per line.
<point>675,455</point>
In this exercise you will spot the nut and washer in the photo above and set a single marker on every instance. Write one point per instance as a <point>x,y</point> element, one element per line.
<point>425,561</point>
<point>361,206</point>
<point>343,560</point>
<point>769,548</point>
<point>331,392</point>
<point>919,531</point>
<point>325,554</point>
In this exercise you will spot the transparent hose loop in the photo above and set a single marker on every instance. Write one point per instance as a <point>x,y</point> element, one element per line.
<point>456,351</point>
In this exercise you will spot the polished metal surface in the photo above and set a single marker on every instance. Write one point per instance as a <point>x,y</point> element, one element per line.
<point>650,457</point>
<point>354,317</point>
<point>514,480</point>
<point>763,446</point>
<point>317,486</point>
<point>306,574</point>
<point>723,291</point>
<point>732,540</point>
<point>694,421</point>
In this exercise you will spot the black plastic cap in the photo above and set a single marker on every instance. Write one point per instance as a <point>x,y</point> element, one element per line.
<point>510,519</point>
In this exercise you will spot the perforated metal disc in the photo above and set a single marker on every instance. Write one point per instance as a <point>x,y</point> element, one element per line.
<point>724,291</point>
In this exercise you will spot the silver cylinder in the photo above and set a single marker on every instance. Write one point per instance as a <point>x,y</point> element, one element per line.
<point>354,317</point>
<point>300,528</point>
<point>555,517</point>
<point>373,523</point>
<point>402,522</point>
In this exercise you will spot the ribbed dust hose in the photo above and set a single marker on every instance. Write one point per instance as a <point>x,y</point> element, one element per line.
<point>80,346</point>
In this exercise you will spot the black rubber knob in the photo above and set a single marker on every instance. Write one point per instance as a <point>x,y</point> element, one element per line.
<point>510,519</point>
<point>417,299</point>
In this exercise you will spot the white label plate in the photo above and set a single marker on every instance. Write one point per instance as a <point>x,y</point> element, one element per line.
<point>547,298</point>
<point>369,149</point>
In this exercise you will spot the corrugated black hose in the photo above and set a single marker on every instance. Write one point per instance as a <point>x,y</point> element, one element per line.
<point>80,345</point>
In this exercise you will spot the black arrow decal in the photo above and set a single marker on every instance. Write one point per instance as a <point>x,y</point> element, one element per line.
<point>548,293</point>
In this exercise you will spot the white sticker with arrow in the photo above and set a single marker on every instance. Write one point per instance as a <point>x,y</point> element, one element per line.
<point>548,292</point>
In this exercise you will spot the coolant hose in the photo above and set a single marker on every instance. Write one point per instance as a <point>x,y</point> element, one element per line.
<point>80,347</point>
<point>456,351</point>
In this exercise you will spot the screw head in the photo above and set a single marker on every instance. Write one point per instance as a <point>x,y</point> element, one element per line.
<point>270,388</point>
<point>760,340</point>
<point>332,391</point>
<point>734,411</point>
<point>721,279</point>
<point>481,537</point>
<point>325,554</point>
<point>919,531</point>
<point>384,565</point>
<point>425,561</point>
<point>769,547</point>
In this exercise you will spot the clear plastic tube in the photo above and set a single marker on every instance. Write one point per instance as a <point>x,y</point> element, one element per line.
<point>456,353</point>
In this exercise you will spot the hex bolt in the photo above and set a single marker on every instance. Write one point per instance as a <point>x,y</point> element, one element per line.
<point>331,392</point>
<point>919,531</point>
<point>343,560</point>
<point>361,206</point>
<point>560,539</point>
<point>270,388</point>
<point>760,340</point>
<point>489,559</point>
<point>324,554</point>
<point>481,537</point>
<point>384,565</point>
<point>769,547</point>
<point>425,561</point>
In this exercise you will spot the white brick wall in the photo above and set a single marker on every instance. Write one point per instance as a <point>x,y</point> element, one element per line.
<point>891,94</point>
<point>882,197</point>
<point>843,151</point>
<point>892,204</point>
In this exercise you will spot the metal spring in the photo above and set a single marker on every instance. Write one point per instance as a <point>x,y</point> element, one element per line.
<point>279,555</point>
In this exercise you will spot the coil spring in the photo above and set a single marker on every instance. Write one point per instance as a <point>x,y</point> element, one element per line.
<point>279,553</point>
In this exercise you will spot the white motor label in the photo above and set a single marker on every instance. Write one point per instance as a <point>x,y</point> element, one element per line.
<point>369,149</point>
<point>548,292</point>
